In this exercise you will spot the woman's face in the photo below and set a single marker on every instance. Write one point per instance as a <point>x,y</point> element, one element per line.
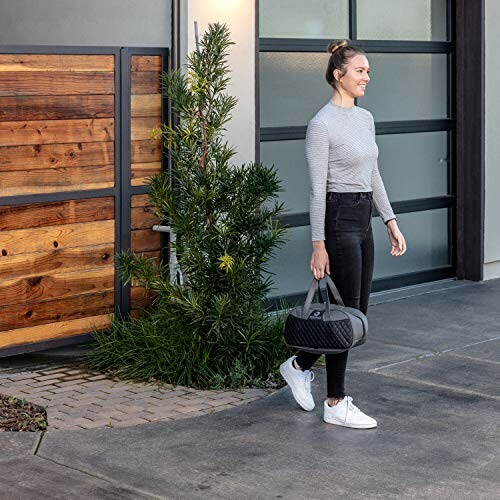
<point>356,77</point>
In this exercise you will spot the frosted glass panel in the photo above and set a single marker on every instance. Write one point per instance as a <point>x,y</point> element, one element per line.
<point>291,263</point>
<point>292,87</point>
<point>414,165</point>
<point>296,19</point>
<point>402,87</point>
<point>423,20</point>
<point>289,159</point>
<point>406,87</point>
<point>426,235</point>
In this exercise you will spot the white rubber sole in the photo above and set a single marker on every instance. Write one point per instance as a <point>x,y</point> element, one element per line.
<point>304,406</point>
<point>352,426</point>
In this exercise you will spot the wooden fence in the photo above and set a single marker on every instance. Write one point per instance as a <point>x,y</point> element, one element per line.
<point>75,151</point>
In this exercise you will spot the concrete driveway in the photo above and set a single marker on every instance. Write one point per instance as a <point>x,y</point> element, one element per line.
<point>429,374</point>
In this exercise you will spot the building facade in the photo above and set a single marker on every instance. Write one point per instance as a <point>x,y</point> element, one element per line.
<point>432,94</point>
<point>434,110</point>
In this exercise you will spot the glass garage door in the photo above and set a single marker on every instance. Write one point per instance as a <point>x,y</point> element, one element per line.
<point>409,44</point>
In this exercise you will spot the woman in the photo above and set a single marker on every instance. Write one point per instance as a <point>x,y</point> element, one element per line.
<point>345,184</point>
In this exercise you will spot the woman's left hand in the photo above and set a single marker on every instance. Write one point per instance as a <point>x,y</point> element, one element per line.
<point>398,243</point>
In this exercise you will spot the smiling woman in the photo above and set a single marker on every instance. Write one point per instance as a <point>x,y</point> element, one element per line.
<point>345,186</point>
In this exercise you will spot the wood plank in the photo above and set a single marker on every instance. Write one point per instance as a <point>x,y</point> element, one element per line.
<point>24,241</point>
<point>13,83</point>
<point>57,180</point>
<point>56,261</point>
<point>58,330</point>
<point>142,218</point>
<point>143,82</point>
<point>23,108</point>
<point>56,62</point>
<point>140,200</point>
<point>140,297</point>
<point>56,131</point>
<point>58,286</point>
<point>141,171</point>
<point>154,254</point>
<point>145,63</point>
<point>45,156</point>
<point>140,128</point>
<point>54,213</point>
<point>23,315</point>
<point>144,105</point>
<point>144,240</point>
<point>146,151</point>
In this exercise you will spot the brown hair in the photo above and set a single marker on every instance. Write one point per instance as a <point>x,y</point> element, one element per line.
<point>341,52</point>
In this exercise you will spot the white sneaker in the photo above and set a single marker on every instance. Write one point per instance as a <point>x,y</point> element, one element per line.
<point>347,414</point>
<point>299,382</point>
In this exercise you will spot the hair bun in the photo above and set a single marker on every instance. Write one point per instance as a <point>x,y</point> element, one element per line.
<point>336,45</point>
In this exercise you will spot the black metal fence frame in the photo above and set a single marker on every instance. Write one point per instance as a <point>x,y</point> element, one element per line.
<point>122,190</point>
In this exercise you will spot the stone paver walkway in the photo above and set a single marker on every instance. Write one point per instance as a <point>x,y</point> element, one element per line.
<point>77,398</point>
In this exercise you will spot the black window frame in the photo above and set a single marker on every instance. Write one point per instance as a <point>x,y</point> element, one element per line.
<point>465,157</point>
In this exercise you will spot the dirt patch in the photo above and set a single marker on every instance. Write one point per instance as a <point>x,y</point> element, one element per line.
<point>21,415</point>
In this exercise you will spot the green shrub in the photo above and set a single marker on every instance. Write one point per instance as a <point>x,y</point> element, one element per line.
<point>212,330</point>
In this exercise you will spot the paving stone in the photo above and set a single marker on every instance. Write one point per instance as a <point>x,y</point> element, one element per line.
<point>95,378</point>
<point>81,399</point>
<point>129,423</point>
<point>158,418</point>
<point>23,376</point>
<point>50,376</point>
<point>50,371</point>
<point>78,371</point>
<point>215,403</point>
<point>95,424</point>
<point>190,409</point>
<point>44,383</point>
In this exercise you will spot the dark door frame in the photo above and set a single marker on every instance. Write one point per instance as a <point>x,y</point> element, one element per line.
<point>470,138</point>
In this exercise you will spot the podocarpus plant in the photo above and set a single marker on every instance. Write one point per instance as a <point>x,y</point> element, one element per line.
<point>212,330</point>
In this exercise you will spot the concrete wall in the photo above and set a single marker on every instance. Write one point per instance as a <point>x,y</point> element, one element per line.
<point>492,208</point>
<point>132,23</point>
<point>239,15</point>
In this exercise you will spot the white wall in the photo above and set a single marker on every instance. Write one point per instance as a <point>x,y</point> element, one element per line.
<point>239,15</point>
<point>492,132</point>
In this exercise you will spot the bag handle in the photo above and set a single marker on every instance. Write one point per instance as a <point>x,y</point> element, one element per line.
<point>312,289</point>
<point>334,290</point>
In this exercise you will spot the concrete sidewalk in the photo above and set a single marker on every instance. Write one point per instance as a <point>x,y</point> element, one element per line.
<point>429,374</point>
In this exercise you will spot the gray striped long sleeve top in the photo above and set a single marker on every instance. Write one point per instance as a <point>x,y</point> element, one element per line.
<point>342,155</point>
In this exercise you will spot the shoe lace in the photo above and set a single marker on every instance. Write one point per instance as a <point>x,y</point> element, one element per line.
<point>351,407</point>
<point>308,378</point>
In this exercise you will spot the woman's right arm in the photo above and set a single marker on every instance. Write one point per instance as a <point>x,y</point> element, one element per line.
<point>317,149</point>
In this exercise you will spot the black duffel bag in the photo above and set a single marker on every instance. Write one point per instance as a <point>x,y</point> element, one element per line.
<point>325,328</point>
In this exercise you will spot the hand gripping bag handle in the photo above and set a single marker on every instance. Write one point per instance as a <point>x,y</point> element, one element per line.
<point>310,294</point>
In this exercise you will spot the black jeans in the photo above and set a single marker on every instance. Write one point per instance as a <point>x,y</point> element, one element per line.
<point>349,243</point>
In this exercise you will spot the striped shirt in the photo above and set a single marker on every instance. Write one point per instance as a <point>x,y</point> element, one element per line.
<point>342,155</point>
